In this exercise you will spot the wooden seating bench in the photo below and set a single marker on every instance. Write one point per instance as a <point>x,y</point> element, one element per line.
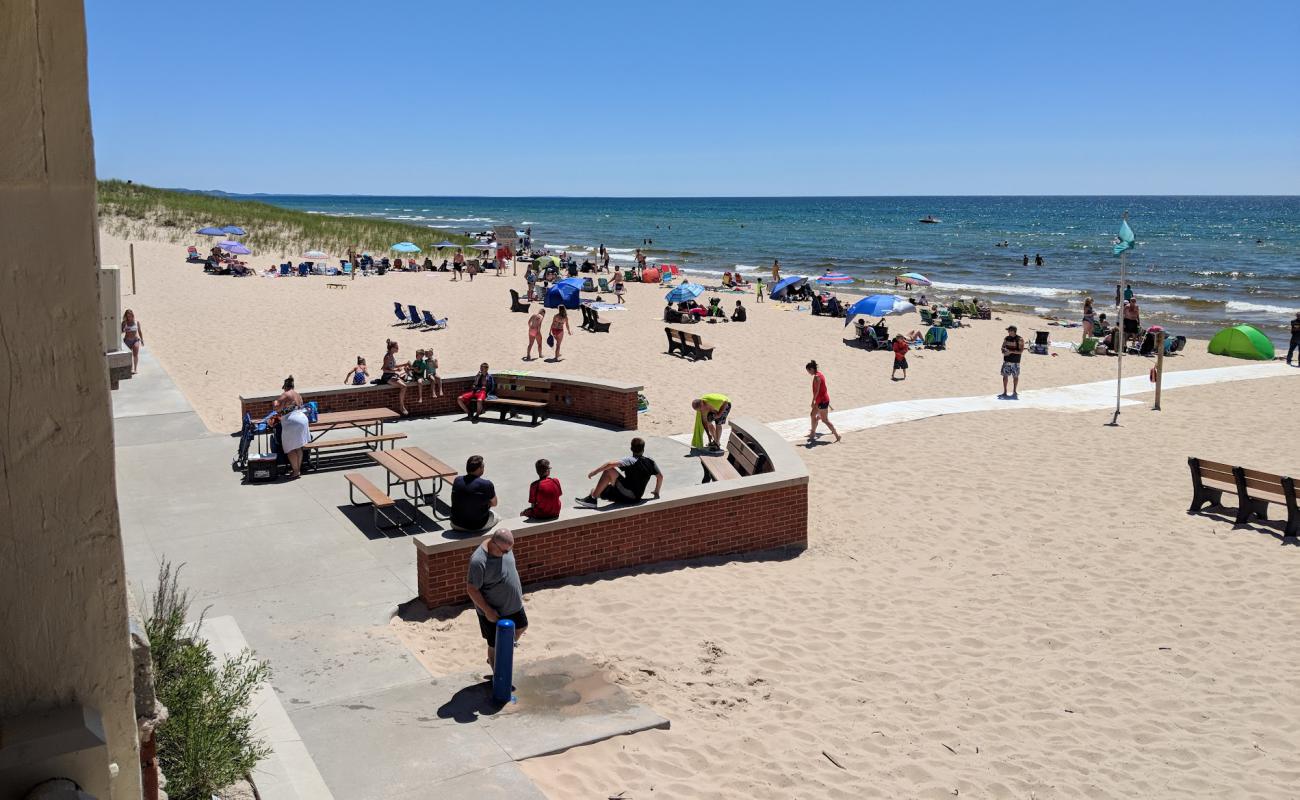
<point>1255,490</point>
<point>516,395</point>
<point>312,449</point>
<point>690,345</point>
<point>741,459</point>
<point>376,499</point>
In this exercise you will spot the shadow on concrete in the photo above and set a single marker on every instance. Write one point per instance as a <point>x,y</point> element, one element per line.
<point>363,517</point>
<point>470,703</point>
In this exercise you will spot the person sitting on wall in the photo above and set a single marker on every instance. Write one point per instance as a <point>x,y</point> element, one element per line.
<point>624,480</point>
<point>472,498</point>
<point>543,494</point>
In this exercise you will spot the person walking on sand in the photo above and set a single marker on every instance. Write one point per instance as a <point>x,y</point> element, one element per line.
<point>132,338</point>
<point>618,288</point>
<point>559,327</point>
<point>457,264</point>
<point>900,349</point>
<point>759,289</point>
<point>535,333</point>
<point>1012,348</point>
<point>493,587</point>
<point>1295,339</point>
<point>821,403</point>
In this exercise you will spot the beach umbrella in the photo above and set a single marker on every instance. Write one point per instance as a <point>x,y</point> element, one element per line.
<point>541,262</point>
<point>483,245</point>
<point>878,305</point>
<point>237,249</point>
<point>785,283</point>
<point>234,230</point>
<point>687,291</point>
<point>832,278</point>
<point>444,244</point>
<point>315,255</point>
<point>226,244</point>
<point>564,293</point>
<point>914,279</point>
<point>211,231</point>
<point>405,247</point>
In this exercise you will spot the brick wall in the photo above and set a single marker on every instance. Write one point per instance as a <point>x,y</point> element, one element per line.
<point>726,524</point>
<point>582,401</point>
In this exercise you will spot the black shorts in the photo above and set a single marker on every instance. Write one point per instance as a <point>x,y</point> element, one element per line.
<point>823,406</point>
<point>720,416</point>
<point>616,492</point>
<point>489,629</point>
<point>900,363</point>
<point>1130,326</point>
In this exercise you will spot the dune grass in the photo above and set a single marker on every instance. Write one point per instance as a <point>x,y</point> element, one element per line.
<point>135,211</point>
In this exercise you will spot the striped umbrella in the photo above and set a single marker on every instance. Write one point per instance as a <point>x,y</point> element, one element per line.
<point>835,277</point>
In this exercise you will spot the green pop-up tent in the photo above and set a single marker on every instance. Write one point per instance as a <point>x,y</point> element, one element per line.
<point>1242,341</point>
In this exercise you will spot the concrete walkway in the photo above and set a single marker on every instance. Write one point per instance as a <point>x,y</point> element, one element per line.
<point>1079,397</point>
<point>295,573</point>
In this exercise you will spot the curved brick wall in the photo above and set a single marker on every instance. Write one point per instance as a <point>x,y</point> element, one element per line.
<point>750,514</point>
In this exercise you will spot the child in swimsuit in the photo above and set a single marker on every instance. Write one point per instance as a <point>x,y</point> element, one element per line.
<point>358,376</point>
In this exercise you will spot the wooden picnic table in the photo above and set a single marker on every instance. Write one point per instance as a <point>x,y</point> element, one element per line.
<point>369,420</point>
<point>409,467</point>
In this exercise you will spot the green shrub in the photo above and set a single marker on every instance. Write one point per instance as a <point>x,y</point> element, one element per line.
<point>207,742</point>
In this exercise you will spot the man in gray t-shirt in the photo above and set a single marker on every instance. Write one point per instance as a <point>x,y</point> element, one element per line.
<point>493,586</point>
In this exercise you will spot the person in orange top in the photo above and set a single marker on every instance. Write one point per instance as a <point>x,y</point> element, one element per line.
<point>821,403</point>
<point>900,357</point>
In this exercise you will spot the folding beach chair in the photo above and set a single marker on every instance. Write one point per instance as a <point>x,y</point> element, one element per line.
<point>434,324</point>
<point>1088,347</point>
<point>303,270</point>
<point>1040,343</point>
<point>936,338</point>
<point>926,318</point>
<point>415,314</point>
<point>401,315</point>
<point>286,269</point>
<point>604,285</point>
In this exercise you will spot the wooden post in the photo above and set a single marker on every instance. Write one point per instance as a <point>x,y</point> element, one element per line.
<point>1160,366</point>
<point>131,247</point>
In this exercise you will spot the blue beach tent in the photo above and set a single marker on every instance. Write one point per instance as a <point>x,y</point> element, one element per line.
<point>784,284</point>
<point>564,293</point>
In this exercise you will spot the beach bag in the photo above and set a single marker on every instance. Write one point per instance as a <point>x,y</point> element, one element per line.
<point>550,340</point>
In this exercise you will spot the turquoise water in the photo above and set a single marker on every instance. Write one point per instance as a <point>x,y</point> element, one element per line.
<point>1201,262</point>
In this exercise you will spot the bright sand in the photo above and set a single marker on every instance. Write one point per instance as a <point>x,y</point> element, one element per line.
<point>991,605</point>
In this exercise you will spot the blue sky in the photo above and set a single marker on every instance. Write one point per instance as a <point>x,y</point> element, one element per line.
<point>505,97</point>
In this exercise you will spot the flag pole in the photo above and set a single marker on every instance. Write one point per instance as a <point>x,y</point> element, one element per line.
<point>1120,338</point>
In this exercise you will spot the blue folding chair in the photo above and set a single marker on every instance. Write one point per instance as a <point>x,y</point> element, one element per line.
<point>434,324</point>
<point>303,270</point>
<point>286,269</point>
<point>415,314</point>
<point>401,315</point>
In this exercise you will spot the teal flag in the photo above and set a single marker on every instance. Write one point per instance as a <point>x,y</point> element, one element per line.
<point>1125,238</point>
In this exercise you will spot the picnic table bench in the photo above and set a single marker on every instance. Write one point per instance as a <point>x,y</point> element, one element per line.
<point>409,467</point>
<point>516,394</point>
<point>741,459</point>
<point>1255,490</point>
<point>312,449</point>
<point>690,345</point>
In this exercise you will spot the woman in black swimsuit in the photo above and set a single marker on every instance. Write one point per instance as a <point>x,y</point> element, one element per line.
<point>394,374</point>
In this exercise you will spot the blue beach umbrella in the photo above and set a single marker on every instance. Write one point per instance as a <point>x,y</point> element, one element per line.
<point>878,305</point>
<point>211,231</point>
<point>405,247</point>
<point>226,244</point>
<point>444,244</point>
<point>237,249</point>
<point>564,293</point>
<point>234,230</point>
<point>835,278</point>
<point>785,283</point>
<point>687,291</point>
<point>914,278</point>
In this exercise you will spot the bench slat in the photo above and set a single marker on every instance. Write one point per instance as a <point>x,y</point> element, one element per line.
<point>719,467</point>
<point>1215,465</point>
<point>387,437</point>
<point>1266,477</point>
<point>372,492</point>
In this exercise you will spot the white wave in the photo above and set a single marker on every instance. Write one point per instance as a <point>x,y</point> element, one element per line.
<point>621,249</point>
<point>528,222</point>
<point>1034,291</point>
<point>1145,296</point>
<point>1237,305</point>
<point>462,219</point>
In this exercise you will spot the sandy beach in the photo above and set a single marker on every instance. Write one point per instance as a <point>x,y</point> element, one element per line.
<point>992,605</point>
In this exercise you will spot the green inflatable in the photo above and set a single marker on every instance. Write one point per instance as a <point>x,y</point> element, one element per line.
<point>1242,341</point>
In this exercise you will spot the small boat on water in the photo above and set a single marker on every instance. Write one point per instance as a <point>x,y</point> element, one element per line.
<point>930,219</point>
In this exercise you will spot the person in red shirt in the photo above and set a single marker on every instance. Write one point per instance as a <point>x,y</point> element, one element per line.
<point>821,403</point>
<point>900,357</point>
<point>543,494</point>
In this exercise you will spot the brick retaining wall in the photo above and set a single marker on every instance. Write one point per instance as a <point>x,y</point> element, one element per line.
<point>749,514</point>
<point>610,403</point>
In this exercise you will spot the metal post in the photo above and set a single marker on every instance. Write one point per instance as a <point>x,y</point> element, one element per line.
<point>131,248</point>
<point>1160,366</point>
<point>1120,338</point>
<point>503,669</point>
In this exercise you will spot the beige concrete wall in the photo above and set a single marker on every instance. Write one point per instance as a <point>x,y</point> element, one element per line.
<point>63,615</point>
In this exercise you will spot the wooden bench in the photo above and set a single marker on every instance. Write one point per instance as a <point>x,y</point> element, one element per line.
<point>336,285</point>
<point>517,395</point>
<point>741,459</point>
<point>1255,490</point>
<point>368,442</point>
<point>376,499</point>
<point>690,345</point>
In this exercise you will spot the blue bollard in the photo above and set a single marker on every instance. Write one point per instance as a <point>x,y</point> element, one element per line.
<point>503,670</point>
